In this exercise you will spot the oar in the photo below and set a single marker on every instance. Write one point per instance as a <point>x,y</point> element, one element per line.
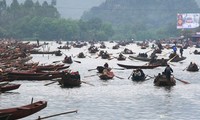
<point>149,51</point>
<point>130,75</point>
<point>89,76</point>
<point>56,61</point>
<point>41,118</point>
<point>150,77</point>
<point>118,68</point>
<point>185,82</point>
<point>119,77</point>
<point>50,83</point>
<point>91,69</point>
<point>87,83</point>
<point>77,61</point>
<point>171,58</point>
<point>185,69</point>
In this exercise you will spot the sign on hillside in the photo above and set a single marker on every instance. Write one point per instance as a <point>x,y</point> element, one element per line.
<point>188,20</point>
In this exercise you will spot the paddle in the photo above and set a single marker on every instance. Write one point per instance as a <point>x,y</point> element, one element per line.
<point>171,58</point>
<point>62,60</point>
<point>87,83</point>
<point>91,69</point>
<point>41,118</point>
<point>119,77</point>
<point>185,82</point>
<point>149,77</point>
<point>50,83</point>
<point>185,69</point>
<point>149,51</point>
<point>89,76</point>
<point>130,75</point>
<point>118,68</point>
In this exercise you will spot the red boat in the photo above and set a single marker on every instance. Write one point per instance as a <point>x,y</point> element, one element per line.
<point>9,87</point>
<point>23,111</point>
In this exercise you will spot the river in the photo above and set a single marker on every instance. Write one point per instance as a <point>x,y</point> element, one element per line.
<point>116,99</point>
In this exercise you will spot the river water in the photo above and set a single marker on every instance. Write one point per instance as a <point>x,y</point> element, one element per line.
<point>116,99</point>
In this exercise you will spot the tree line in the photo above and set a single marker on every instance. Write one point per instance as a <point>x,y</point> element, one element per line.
<point>32,20</point>
<point>142,19</point>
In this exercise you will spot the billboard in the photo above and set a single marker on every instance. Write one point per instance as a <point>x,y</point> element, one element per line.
<point>188,20</point>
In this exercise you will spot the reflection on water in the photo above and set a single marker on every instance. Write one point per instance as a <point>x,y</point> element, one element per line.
<point>117,99</point>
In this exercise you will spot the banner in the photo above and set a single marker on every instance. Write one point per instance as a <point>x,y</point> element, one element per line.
<point>188,20</point>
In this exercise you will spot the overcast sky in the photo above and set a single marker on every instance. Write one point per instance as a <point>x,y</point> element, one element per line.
<point>71,8</point>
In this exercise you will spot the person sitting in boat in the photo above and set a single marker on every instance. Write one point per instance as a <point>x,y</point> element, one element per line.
<point>137,72</point>
<point>141,72</point>
<point>121,56</point>
<point>163,62</point>
<point>168,71</point>
<point>143,55</point>
<point>153,58</point>
<point>106,69</point>
<point>81,55</point>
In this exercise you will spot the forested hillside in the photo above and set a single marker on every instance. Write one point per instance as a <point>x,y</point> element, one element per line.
<point>32,20</point>
<point>142,19</point>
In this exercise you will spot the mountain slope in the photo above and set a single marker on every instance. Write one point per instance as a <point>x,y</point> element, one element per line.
<point>70,8</point>
<point>151,13</point>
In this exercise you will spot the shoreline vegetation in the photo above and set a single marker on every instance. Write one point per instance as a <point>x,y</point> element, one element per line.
<point>32,20</point>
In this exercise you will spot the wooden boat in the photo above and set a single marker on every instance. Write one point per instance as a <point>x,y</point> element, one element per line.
<point>51,67</point>
<point>3,83</point>
<point>178,59</point>
<point>115,47</point>
<point>42,52</point>
<point>141,66</point>
<point>64,47</point>
<point>175,57</point>
<point>140,58</point>
<point>121,57</point>
<point>138,75</point>
<point>58,53</point>
<point>34,76</point>
<point>9,87</point>
<point>81,55</point>
<point>68,60</point>
<point>161,80</point>
<point>108,76</point>
<point>23,111</point>
<point>192,67</point>
<point>4,117</point>
<point>70,79</point>
<point>127,51</point>
<point>196,52</point>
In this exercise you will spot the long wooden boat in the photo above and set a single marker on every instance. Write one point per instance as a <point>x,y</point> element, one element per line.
<point>108,76</point>
<point>161,80</point>
<point>51,67</point>
<point>3,83</point>
<point>70,80</point>
<point>4,117</point>
<point>136,67</point>
<point>34,76</point>
<point>23,111</point>
<point>9,87</point>
<point>146,59</point>
<point>178,59</point>
<point>42,52</point>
